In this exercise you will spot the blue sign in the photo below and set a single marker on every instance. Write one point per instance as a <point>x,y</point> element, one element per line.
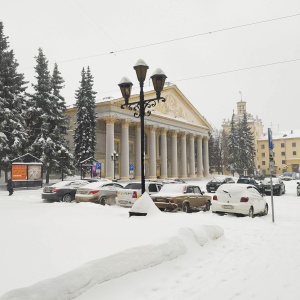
<point>131,167</point>
<point>270,140</point>
<point>98,166</point>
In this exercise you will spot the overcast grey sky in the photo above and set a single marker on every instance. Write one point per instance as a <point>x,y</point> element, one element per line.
<point>191,40</point>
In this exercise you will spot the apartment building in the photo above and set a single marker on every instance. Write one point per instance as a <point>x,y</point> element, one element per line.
<point>286,152</point>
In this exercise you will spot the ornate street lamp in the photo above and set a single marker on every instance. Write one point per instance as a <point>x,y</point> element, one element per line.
<point>114,157</point>
<point>142,107</point>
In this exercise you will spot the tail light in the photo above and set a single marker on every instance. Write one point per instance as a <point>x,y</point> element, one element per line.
<point>134,194</point>
<point>244,199</point>
<point>93,192</point>
<point>56,190</point>
<point>215,197</point>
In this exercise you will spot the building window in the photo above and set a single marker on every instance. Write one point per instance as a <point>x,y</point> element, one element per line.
<point>263,163</point>
<point>282,145</point>
<point>283,162</point>
<point>262,146</point>
<point>293,145</point>
<point>294,153</point>
<point>263,154</point>
<point>282,153</point>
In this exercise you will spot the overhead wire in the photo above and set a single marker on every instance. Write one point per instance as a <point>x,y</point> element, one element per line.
<point>182,38</point>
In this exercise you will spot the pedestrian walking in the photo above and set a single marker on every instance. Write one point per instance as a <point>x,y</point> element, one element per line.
<point>10,186</point>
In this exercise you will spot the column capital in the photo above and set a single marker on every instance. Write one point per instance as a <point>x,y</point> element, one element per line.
<point>199,137</point>
<point>163,130</point>
<point>174,133</point>
<point>110,119</point>
<point>153,128</point>
<point>125,122</point>
<point>182,134</point>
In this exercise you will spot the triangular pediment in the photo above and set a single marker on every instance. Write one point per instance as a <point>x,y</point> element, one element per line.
<point>179,107</point>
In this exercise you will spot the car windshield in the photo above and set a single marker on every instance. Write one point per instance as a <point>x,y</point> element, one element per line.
<point>173,188</point>
<point>274,181</point>
<point>95,185</point>
<point>62,183</point>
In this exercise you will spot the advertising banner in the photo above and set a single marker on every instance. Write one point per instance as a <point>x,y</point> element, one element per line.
<point>19,172</point>
<point>34,172</point>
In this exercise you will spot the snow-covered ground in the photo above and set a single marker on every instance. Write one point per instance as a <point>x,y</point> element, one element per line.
<point>86,251</point>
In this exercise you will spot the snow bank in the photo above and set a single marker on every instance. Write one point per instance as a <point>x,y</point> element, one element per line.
<point>72,284</point>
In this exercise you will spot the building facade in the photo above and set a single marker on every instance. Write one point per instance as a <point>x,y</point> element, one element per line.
<point>176,138</point>
<point>286,152</point>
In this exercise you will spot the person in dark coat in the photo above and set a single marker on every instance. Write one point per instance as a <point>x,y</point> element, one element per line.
<point>10,186</point>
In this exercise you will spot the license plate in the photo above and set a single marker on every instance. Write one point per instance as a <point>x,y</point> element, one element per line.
<point>227,206</point>
<point>123,202</point>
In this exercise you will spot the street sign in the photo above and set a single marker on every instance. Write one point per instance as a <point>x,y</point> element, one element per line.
<point>131,167</point>
<point>270,139</point>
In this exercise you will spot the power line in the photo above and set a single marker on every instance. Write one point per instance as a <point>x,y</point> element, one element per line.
<point>241,69</point>
<point>224,72</point>
<point>183,38</point>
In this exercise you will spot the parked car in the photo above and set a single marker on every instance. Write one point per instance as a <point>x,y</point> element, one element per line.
<point>213,185</point>
<point>239,198</point>
<point>277,184</point>
<point>173,180</point>
<point>101,192</point>
<point>298,188</point>
<point>186,197</point>
<point>133,190</point>
<point>292,175</point>
<point>249,180</point>
<point>63,190</point>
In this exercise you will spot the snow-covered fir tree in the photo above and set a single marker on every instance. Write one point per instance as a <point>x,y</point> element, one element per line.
<point>232,146</point>
<point>12,95</point>
<point>46,120</point>
<point>241,146</point>
<point>85,131</point>
<point>247,149</point>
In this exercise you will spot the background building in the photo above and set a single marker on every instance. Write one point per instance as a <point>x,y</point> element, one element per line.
<point>176,138</point>
<point>286,152</point>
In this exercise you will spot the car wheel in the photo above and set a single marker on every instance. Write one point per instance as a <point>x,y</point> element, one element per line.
<point>251,212</point>
<point>265,212</point>
<point>207,206</point>
<point>102,201</point>
<point>67,198</point>
<point>186,207</point>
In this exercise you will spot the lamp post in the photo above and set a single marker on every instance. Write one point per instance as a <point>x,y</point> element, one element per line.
<point>62,156</point>
<point>114,157</point>
<point>142,107</point>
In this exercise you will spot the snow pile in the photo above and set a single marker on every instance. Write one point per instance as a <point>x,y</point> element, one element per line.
<point>145,205</point>
<point>72,284</point>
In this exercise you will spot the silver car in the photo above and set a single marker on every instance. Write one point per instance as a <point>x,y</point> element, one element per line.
<point>98,192</point>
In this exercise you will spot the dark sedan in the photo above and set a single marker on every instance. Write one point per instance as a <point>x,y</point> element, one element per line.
<point>277,184</point>
<point>63,191</point>
<point>213,185</point>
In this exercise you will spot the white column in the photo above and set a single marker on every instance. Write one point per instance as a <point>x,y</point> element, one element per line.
<point>125,150</point>
<point>183,156</point>
<point>174,154</point>
<point>110,136</point>
<point>199,157</point>
<point>152,153</point>
<point>205,157</point>
<point>192,156</point>
<point>137,152</point>
<point>163,154</point>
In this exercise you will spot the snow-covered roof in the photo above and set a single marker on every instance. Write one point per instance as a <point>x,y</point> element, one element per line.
<point>288,134</point>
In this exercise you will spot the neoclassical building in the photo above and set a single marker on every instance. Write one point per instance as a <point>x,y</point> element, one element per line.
<point>176,138</point>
